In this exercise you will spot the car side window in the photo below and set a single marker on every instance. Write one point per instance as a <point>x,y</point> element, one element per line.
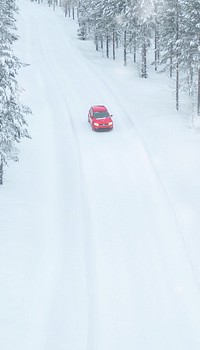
<point>91,112</point>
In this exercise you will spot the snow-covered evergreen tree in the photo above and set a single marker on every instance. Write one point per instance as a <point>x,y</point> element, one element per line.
<point>144,11</point>
<point>190,60</point>
<point>12,112</point>
<point>171,18</point>
<point>84,17</point>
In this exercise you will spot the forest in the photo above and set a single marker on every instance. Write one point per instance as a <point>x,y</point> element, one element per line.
<point>165,34</point>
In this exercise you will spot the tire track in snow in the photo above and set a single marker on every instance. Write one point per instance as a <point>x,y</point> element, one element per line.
<point>153,167</point>
<point>87,237</point>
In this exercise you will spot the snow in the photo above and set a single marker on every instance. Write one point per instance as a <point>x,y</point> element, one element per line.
<point>99,244</point>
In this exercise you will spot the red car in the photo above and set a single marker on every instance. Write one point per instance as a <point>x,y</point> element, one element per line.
<point>99,118</point>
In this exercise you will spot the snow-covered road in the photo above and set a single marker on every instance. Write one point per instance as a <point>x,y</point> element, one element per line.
<point>96,257</point>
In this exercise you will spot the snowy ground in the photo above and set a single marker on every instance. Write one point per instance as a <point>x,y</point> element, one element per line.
<point>99,243</point>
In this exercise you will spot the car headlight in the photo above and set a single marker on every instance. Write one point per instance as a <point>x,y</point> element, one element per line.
<point>110,123</point>
<point>96,124</point>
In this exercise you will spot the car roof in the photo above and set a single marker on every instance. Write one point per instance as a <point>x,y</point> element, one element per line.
<point>99,108</point>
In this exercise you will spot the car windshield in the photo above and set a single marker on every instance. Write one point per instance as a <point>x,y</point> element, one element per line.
<point>102,114</point>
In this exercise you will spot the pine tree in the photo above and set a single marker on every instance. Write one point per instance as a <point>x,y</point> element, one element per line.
<point>190,61</point>
<point>171,18</point>
<point>12,112</point>
<point>144,10</point>
<point>84,18</point>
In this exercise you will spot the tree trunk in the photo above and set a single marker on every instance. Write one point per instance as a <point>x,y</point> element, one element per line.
<point>65,9</point>
<point>156,49</point>
<point>117,40</point>
<point>107,46</point>
<point>101,42</point>
<point>1,172</point>
<point>144,75</point>
<point>177,85</point>
<point>134,48</point>
<point>113,44</point>
<point>177,56</point>
<point>125,48</point>
<point>198,81</point>
<point>77,9</point>
<point>171,61</point>
<point>198,93</point>
<point>144,56</point>
<point>156,37</point>
<point>96,42</point>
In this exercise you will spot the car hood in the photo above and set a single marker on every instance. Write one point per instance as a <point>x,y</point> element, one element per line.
<point>102,120</point>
